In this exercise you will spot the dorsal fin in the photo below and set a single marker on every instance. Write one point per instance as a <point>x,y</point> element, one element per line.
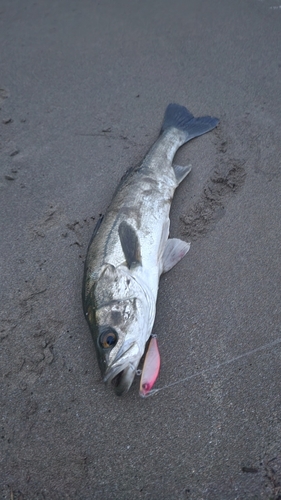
<point>130,244</point>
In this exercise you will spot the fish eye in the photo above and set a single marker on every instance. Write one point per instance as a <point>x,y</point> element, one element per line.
<point>108,338</point>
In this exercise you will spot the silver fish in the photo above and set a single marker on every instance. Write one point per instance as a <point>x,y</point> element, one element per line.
<point>130,249</point>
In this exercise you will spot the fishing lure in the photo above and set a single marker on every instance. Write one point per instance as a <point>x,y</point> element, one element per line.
<point>151,367</point>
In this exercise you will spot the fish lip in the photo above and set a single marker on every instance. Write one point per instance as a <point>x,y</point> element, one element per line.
<point>113,371</point>
<point>124,379</point>
<point>124,368</point>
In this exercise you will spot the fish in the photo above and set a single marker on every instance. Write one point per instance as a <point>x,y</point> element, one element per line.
<point>130,249</point>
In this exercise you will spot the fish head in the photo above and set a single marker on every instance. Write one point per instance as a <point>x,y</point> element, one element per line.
<point>120,343</point>
<point>120,327</point>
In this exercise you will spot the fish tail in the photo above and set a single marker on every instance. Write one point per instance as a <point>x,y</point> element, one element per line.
<point>177,116</point>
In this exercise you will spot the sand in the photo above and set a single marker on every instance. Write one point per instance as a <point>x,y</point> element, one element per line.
<point>84,86</point>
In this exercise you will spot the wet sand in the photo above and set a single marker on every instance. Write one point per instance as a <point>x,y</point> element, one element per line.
<point>83,89</point>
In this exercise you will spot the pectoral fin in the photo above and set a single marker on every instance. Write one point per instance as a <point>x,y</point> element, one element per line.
<point>174,251</point>
<point>130,244</point>
<point>181,172</point>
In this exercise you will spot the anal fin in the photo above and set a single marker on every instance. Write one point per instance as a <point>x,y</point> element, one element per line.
<point>181,172</point>
<point>174,251</point>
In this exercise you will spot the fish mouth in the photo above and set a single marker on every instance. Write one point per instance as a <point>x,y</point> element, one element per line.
<point>122,370</point>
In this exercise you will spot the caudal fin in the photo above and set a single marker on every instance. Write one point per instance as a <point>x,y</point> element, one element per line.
<point>179,117</point>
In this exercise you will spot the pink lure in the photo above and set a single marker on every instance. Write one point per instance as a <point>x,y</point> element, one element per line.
<point>151,368</point>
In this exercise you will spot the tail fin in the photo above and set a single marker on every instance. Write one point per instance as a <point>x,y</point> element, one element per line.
<point>179,117</point>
